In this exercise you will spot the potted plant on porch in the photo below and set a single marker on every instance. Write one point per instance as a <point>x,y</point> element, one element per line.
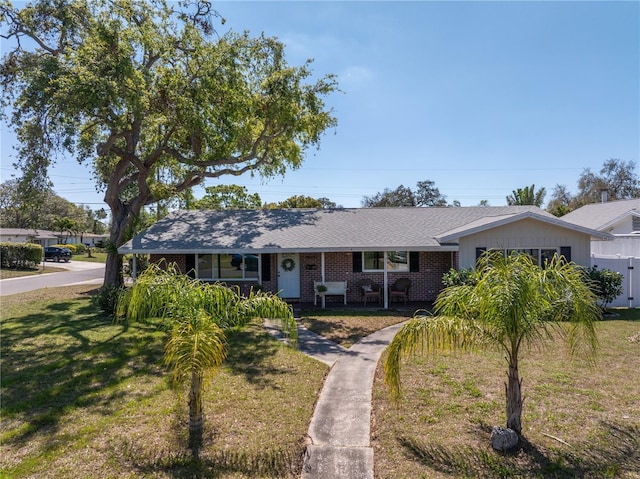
<point>321,289</point>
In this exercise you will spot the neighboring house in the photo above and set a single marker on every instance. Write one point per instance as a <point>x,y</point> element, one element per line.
<point>619,218</point>
<point>285,251</point>
<point>24,235</point>
<point>48,238</point>
<point>89,239</point>
<point>622,220</point>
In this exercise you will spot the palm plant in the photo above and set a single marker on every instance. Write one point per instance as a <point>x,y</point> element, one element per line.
<point>513,303</point>
<point>197,315</point>
<point>527,196</point>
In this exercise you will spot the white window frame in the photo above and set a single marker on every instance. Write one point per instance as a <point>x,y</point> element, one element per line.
<point>385,260</point>
<point>215,257</point>
<point>528,250</point>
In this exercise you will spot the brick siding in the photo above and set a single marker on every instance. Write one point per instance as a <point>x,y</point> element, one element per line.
<point>426,283</point>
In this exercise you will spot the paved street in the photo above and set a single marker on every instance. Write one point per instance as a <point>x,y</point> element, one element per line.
<point>77,272</point>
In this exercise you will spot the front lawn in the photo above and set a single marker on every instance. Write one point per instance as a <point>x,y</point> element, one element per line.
<point>83,397</point>
<point>578,420</point>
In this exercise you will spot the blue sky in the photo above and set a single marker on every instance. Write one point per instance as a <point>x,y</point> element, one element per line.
<point>479,97</point>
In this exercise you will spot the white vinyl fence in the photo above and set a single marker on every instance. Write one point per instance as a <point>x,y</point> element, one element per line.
<point>629,267</point>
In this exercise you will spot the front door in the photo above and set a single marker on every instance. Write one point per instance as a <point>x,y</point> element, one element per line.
<point>289,275</point>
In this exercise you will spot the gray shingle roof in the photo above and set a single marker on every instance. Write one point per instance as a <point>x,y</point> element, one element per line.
<point>35,233</point>
<point>598,216</point>
<point>287,230</point>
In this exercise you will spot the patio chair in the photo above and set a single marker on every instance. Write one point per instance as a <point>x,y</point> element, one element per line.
<point>400,290</point>
<point>370,290</point>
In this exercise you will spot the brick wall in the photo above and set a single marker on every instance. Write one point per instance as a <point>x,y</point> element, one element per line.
<point>426,283</point>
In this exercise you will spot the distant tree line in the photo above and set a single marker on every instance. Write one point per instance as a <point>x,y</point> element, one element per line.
<point>46,210</point>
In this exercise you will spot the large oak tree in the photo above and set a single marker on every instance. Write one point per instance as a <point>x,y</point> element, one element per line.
<point>154,98</point>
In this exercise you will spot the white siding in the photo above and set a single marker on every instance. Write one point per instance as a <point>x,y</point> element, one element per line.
<point>527,233</point>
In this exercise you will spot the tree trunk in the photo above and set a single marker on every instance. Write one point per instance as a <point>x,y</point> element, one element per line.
<point>195,412</point>
<point>120,219</point>
<point>513,391</point>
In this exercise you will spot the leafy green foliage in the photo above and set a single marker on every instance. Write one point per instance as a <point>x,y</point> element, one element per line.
<point>24,208</point>
<point>222,197</point>
<point>20,255</point>
<point>459,277</point>
<point>527,196</point>
<point>425,194</point>
<point>156,103</point>
<point>605,284</point>
<point>107,299</point>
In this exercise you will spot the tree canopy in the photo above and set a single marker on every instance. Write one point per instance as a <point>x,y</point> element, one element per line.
<point>425,194</point>
<point>302,201</point>
<point>223,197</point>
<point>43,209</point>
<point>618,178</point>
<point>154,99</point>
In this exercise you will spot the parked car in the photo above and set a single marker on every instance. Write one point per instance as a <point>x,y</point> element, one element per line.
<point>54,253</point>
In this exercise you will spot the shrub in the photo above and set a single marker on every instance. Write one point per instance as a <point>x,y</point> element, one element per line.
<point>107,299</point>
<point>455,277</point>
<point>20,255</point>
<point>70,247</point>
<point>605,284</point>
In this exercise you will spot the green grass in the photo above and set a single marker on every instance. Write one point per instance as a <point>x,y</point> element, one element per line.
<point>441,426</point>
<point>96,257</point>
<point>18,273</point>
<point>83,397</point>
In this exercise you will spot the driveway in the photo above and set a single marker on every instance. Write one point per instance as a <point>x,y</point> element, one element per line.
<point>76,272</point>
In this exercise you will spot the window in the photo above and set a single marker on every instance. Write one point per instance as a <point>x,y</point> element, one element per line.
<point>228,266</point>
<point>375,260</point>
<point>540,256</point>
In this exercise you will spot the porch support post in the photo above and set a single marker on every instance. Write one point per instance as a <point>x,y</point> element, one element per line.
<point>322,276</point>
<point>134,273</point>
<point>386,283</point>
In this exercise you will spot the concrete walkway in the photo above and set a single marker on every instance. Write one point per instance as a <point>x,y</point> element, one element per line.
<point>340,426</point>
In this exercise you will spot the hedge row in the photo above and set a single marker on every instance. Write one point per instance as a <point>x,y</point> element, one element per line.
<point>20,255</point>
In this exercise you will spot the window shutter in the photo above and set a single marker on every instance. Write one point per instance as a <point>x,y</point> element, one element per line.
<point>357,261</point>
<point>190,265</point>
<point>566,252</point>
<point>414,261</point>
<point>266,267</point>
